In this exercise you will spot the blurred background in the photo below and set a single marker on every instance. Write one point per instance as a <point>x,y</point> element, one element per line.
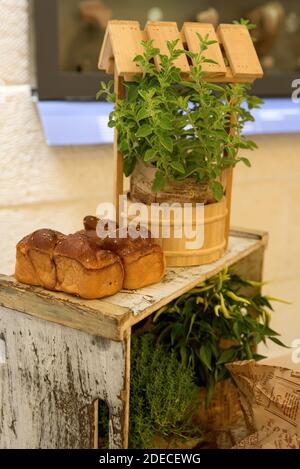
<point>56,151</point>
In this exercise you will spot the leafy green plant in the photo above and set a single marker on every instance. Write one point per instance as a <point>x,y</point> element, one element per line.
<point>215,324</point>
<point>163,394</point>
<point>181,126</point>
<point>246,23</point>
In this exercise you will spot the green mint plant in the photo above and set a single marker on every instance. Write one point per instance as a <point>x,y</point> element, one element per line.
<point>181,126</point>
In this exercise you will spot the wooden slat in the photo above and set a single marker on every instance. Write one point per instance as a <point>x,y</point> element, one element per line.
<point>91,316</point>
<point>231,131</point>
<point>96,424</point>
<point>124,43</point>
<point>125,394</point>
<point>118,156</point>
<point>113,316</point>
<point>213,78</point>
<point>161,32</point>
<point>240,51</point>
<point>106,53</point>
<point>250,233</point>
<point>238,249</point>
<point>213,52</point>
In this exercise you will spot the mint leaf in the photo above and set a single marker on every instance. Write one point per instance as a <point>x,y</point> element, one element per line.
<point>217,189</point>
<point>178,167</point>
<point>149,155</point>
<point>132,93</point>
<point>159,182</point>
<point>246,162</point>
<point>165,123</point>
<point>186,121</point>
<point>144,130</point>
<point>123,146</point>
<point>129,164</point>
<point>166,142</point>
<point>142,114</point>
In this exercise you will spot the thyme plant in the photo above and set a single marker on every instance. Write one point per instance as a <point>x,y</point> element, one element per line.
<point>163,394</point>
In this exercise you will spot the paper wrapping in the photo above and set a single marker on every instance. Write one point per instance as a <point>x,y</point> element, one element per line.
<point>270,398</point>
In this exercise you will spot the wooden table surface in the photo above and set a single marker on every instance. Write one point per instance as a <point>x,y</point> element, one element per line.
<point>112,316</point>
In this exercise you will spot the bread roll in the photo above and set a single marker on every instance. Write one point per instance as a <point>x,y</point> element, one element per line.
<point>35,264</point>
<point>88,266</point>
<point>143,260</point>
<point>72,264</point>
<point>83,268</point>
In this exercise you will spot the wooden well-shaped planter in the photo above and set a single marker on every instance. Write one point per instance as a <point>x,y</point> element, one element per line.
<point>237,62</point>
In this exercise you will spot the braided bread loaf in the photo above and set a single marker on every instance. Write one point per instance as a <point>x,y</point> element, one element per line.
<point>85,265</point>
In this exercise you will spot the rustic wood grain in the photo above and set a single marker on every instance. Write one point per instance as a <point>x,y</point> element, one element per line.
<point>126,388</point>
<point>240,51</point>
<point>87,315</point>
<point>190,31</point>
<point>50,379</point>
<point>118,156</point>
<point>51,376</point>
<point>123,41</point>
<point>160,32</point>
<point>179,280</point>
<point>111,317</point>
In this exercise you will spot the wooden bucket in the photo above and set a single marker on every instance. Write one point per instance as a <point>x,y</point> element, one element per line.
<point>175,249</point>
<point>180,192</point>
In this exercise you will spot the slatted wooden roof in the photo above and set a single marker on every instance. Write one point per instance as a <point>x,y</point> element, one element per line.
<point>234,52</point>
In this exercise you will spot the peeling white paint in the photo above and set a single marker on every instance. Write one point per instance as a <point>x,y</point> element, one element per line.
<point>52,376</point>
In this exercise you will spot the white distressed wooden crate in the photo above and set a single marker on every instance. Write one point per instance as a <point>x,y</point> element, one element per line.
<point>59,354</point>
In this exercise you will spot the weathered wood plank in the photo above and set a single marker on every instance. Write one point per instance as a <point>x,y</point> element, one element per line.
<point>49,381</point>
<point>91,316</point>
<point>180,280</point>
<point>126,388</point>
<point>111,317</point>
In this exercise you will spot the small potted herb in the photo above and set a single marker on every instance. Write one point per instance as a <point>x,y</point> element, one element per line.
<point>174,132</point>
<point>180,138</point>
